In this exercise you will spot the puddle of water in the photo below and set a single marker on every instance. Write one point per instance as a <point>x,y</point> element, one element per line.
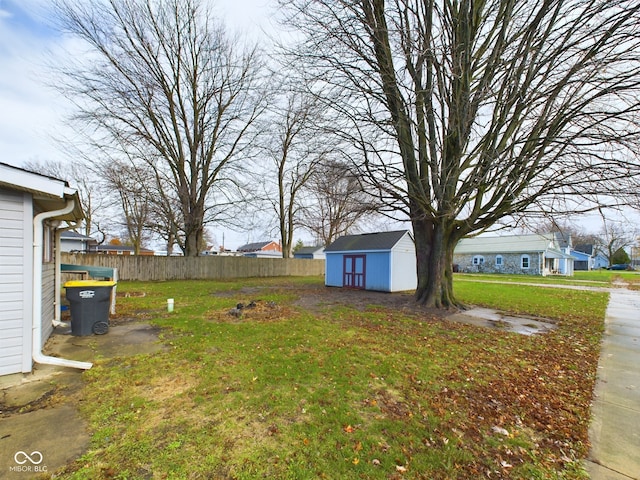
<point>485,317</point>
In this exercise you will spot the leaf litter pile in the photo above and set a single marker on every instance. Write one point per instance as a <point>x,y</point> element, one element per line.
<point>308,382</point>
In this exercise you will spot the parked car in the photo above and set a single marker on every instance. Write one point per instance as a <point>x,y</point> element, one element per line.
<point>620,266</point>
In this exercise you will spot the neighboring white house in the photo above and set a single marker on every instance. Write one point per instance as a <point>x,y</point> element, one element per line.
<point>384,261</point>
<point>75,242</point>
<point>33,208</point>
<point>535,254</point>
<point>316,252</point>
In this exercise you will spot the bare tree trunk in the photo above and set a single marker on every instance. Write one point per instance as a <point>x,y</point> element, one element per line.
<point>294,148</point>
<point>434,252</point>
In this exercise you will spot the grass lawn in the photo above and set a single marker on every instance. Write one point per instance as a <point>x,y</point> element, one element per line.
<point>594,278</point>
<point>338,391</point>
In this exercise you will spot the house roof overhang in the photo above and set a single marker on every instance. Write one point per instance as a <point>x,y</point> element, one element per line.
<point>557,254</point>
<point>578,255</point>
<point>48,193</point>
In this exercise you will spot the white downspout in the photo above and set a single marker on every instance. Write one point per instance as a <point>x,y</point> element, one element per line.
<point>36,347</point>
<point>56,284</point>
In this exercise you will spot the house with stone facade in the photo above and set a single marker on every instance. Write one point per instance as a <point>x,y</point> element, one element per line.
<point>532,254</point>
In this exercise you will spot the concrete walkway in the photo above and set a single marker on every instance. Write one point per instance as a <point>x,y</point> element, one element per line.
<point>615,423</point>
<point>40,427</point>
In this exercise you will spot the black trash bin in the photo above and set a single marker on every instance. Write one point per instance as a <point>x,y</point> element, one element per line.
<point>90,301</point>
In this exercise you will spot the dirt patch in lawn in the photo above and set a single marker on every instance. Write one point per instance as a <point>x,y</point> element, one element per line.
<point>252,310</point>
<point>318,300</point>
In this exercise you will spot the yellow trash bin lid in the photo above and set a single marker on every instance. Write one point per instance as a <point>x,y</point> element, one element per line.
<point>89,283</point>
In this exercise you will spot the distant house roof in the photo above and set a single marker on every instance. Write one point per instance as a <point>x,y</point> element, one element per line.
<point>563,239</point>
<point>252,247</point>
<point>118,248</point>
<point>70,235</point>
<point>309,250</point>
<point>316,252</point>
<point>50,193</point>
<point>367,241</point>
<point>578,255</point>
<point>257,246</point>
<point>508,244</point>
<point>584,248</point>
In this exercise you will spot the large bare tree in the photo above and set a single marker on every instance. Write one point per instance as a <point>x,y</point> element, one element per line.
<point>338,204</point>
<point>164,83</point>
<point>614,237</point>
<point>293,146</point>
<point>135,204</point>
<point>472,111</point>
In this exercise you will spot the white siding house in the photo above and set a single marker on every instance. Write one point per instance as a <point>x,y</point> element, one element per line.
<point>75,242</point>
<point>384,261</point>
<point>32,208</point>
<point>310,253</point>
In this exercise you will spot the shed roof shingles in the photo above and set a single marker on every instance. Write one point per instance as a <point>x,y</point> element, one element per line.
<point>367,241</point>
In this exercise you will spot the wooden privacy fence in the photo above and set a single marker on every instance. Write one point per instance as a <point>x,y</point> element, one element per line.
<point>151,268</point>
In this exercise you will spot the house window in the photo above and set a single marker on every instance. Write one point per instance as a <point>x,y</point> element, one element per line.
<point>525,261</point>
<point>499,261</point>
<point>478,260</point>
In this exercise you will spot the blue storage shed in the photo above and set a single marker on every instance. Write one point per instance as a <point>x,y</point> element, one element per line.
<point>383,261</point>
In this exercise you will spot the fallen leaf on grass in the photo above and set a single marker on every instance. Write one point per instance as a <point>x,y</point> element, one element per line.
<point>500,430</point>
